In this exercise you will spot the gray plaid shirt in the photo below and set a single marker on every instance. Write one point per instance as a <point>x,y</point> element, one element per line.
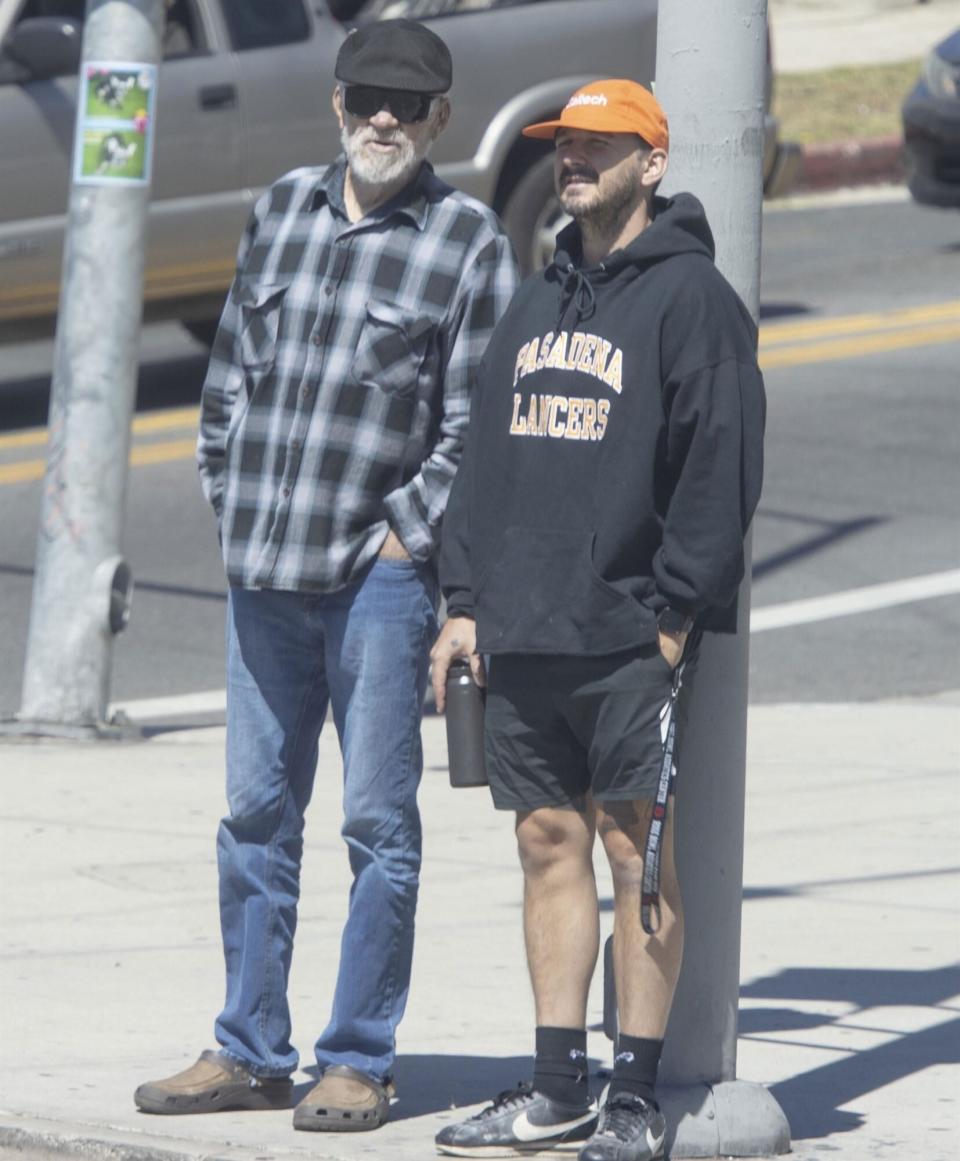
<point>336,398</point>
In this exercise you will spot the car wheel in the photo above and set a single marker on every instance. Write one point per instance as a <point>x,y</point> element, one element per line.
<point>533,216</point>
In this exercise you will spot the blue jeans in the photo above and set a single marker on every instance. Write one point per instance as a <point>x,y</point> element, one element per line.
<point>364,651</point>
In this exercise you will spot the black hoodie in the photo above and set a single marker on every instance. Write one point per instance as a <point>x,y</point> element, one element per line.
<point>615,449</point>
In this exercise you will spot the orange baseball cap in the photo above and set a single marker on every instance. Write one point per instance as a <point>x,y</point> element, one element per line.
<point>610,107</point>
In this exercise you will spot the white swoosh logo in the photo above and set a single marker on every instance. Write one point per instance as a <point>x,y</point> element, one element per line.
<point>524,1131</point>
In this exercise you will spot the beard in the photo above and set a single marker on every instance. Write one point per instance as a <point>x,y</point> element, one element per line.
<point>605,212</point>
<point>374,169</point>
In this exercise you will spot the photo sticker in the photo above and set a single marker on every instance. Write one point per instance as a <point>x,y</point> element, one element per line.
<point>113,153</point>
<point>115,124</point>
<point>115,94</point>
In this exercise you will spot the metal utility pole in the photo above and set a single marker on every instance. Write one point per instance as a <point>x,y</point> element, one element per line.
<point>82,585</point>
<point>711,79</point>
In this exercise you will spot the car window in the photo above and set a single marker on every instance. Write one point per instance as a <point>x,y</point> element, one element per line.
<point>265,23</point>
<point>423,9</point>
<point>181,34</point>
<point>71,9</point>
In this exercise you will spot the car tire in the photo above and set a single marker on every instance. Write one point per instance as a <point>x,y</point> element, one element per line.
<point>532,216</point>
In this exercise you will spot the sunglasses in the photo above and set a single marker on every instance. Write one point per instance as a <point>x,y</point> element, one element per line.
<point>367,101</point>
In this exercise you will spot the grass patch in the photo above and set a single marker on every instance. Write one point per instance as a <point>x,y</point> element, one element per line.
<point>843,103</point>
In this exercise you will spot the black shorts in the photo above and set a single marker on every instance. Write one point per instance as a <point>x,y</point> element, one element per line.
<point>557,728</point>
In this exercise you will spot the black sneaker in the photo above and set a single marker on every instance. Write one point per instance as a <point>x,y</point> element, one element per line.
<point>630,1129</point>
<point>519,1123</point>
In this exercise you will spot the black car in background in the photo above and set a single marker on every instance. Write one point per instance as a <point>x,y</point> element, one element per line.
<point>931,128</point>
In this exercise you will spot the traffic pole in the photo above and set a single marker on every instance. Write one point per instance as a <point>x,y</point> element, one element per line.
<point>82,585</point>
<point>711,80</point>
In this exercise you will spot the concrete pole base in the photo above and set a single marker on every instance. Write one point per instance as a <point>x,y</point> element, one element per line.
<point>736,1118</point>
<point>119,729</point>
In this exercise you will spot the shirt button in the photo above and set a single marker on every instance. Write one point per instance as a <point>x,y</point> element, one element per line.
<point>295,444</point>
<point>304,392</point>
<point>328,290</point>
<point>286,491</point>
<point>316,340</point>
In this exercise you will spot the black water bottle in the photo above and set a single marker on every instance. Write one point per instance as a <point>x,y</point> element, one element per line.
<point>465,703</point>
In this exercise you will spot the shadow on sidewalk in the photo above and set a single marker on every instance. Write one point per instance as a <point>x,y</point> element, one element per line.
<point>813,1100</point>
<point>811,885</point>
<point>436,1084</point>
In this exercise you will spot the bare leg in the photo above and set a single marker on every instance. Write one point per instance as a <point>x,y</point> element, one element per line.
<point>560,915</point>
<point>646,966</point>
<point>561,929</point>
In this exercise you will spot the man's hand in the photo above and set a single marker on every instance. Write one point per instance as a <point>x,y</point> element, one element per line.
<point>458,638</point>
<point>393,549</point>
<point>671,646</point>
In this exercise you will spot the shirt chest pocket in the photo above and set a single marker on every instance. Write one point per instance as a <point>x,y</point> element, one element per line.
<point>261,305</point>
<point>392,348</point>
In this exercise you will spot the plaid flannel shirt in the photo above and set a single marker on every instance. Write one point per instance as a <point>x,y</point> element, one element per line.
<point>337,395</point>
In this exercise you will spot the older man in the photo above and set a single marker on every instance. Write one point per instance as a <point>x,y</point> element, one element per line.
<point>332,423</point>
<point>595,530</point>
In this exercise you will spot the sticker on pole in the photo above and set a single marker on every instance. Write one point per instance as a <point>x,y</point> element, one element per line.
<point>115,123</point>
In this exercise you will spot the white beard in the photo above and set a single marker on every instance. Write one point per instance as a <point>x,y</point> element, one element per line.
<point>374,169</point>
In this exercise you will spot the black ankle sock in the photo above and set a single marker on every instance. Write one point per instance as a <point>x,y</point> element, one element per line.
<point>635,1066</point>
<point>560,1066</point>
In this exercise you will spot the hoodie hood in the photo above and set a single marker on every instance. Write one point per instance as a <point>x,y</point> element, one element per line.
<point>679,227</point>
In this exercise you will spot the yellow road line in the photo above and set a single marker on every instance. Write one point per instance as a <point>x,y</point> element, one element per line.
<point>32,438</point>
<point>163,453</point>
<point>849,337</point>
<point>855,323</point>
<point>20,473</point>
<point>202,274</point>
<point>157,421</point>
<point>826,352</point>
<point>147,453</point>
<point>165,420</point>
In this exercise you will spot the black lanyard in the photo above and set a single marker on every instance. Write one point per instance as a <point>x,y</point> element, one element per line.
<point>650,891</point>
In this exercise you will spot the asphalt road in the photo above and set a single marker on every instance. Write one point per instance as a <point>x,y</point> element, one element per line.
<point>860,342</point>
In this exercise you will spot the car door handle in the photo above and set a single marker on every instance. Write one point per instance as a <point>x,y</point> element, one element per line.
<point>218,97</point>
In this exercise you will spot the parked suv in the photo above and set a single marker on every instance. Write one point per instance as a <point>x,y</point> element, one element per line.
<point>244,96</point>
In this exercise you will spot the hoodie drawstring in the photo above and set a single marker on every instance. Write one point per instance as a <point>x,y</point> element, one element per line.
<point>577,291</point>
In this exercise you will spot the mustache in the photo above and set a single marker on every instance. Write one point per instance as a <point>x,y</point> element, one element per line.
<point>569,172</point>
<point>371,134</point>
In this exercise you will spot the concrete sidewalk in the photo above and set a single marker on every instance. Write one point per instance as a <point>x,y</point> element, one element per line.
<point>111,971</point>
<point>817,34</point>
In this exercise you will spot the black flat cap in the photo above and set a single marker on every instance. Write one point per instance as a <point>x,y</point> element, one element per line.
<point>395,54</point>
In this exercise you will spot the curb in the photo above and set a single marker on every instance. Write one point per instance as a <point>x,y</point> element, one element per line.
<point>51,1146</point>
<point>49,1141</point>
<point>850,163</point>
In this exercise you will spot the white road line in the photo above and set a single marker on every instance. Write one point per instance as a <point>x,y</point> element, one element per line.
<point>845,604</point>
